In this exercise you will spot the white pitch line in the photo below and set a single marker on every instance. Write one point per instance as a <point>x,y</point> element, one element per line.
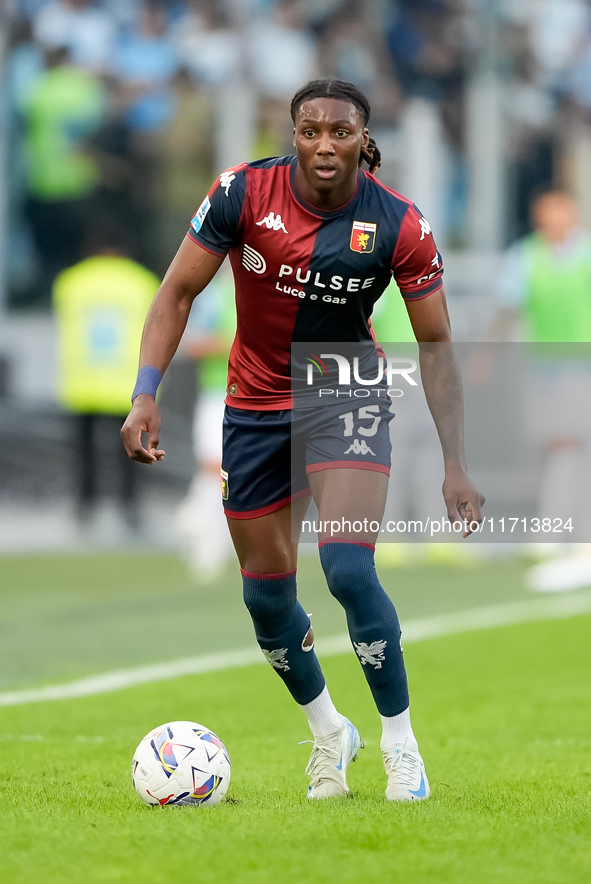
<point>485,617</point>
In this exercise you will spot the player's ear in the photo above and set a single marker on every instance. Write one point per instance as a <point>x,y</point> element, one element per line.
<point>365,138</point>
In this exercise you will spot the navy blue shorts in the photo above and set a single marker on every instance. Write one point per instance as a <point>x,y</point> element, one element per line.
<point>267,455</point>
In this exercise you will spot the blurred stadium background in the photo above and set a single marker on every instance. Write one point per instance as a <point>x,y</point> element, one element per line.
<point>476,105</point>
<point>118,114</point>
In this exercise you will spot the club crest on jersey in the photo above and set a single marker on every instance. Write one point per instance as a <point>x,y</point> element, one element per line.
<point>363,236</point>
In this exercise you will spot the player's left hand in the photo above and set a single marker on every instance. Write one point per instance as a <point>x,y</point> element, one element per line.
<point>462,499</point>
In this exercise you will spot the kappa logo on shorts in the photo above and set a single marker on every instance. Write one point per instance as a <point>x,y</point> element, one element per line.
<point>359,447</point>
<point>363,237</point>
<point>253,260</point>
<point>225,485</point>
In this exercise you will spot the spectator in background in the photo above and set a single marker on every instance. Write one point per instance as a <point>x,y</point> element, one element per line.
<point>206,45</point>
<point>25,67</point>
<point>558,31</point>
<point>545,285</point>
<point>186,161</point>
<point>62,110</point>
<point>545,280</point>
<point>424,40</point>
<point>282,53</point>
<point>144,64</point>
<point>87,30</point>
<point>352,48</point>
<point>100,306</point>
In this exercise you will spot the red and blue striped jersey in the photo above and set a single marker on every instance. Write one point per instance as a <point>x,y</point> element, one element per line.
<point>303,274</point>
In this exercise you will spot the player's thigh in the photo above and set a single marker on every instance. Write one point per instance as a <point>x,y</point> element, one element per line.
<point>348,455</point>
<point>350,502</point>
<point>264,545</point>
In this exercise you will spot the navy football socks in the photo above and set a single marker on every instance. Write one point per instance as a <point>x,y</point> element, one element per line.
<point>372,620</point>
<point>281,626</point>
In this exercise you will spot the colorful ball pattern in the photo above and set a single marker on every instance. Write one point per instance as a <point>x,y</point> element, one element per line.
<point>181,763</point>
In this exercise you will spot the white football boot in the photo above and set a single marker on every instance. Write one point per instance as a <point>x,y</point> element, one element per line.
<point>407,780</point>
<point>329,761</point>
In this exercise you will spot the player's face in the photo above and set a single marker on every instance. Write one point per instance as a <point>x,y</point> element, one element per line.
<point>328,137</point>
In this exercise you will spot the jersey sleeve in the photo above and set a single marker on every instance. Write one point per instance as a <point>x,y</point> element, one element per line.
<point>416,264</point>
<point>215,223</point>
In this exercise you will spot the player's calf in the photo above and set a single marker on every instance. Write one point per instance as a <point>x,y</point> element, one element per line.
<point>282,629</point>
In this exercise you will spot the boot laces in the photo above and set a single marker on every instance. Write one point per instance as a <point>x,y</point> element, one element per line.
<point>325,756</point>
<point>403,765</point>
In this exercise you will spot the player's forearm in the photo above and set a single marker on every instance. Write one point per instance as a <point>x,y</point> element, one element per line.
<point>165,325</point>
<point>442,383</point>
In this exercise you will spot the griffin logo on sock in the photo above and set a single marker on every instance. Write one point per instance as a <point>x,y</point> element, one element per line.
<point>372,654</point>
<point>363,236</point>
<point>277,658</point>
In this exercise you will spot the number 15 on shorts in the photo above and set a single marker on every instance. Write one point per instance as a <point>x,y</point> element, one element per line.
<point>366,412</point>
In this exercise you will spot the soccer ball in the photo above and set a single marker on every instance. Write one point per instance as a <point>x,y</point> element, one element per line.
<point>181,763</point>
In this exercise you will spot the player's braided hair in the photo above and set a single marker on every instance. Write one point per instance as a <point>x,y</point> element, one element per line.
<point>342,91</point>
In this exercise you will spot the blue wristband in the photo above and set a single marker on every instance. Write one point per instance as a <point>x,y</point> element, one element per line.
<point>148,379</point>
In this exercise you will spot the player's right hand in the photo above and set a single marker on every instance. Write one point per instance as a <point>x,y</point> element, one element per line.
<point>144,417</point>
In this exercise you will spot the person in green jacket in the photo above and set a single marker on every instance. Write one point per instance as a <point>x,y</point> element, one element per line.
<point>62,111</point>
<point>544,297</point>
<point>100,305</point>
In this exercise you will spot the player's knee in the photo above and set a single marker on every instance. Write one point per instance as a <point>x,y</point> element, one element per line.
<point>343,581</point>
<point>344,586</point>
<point>347,581</point>
<point>268,604</point>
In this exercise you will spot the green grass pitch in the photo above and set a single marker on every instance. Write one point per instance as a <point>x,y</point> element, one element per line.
<point>64,617</point>
<point>503,721</point>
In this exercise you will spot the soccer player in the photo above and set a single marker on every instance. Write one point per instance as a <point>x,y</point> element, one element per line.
<point>313,240</point>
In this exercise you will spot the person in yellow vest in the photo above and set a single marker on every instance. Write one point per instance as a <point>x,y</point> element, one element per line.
<point>544,296</point>
<point>100,305</point>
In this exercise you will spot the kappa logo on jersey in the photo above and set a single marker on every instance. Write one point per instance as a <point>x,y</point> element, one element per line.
<point>272,222</point>
<point>358,447</point>
<point>425,227</point>
<point>252,260</point>
<point>226,179</point>
<point>363,236</point>
<point>200,214</point>
<point>436,262</point>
